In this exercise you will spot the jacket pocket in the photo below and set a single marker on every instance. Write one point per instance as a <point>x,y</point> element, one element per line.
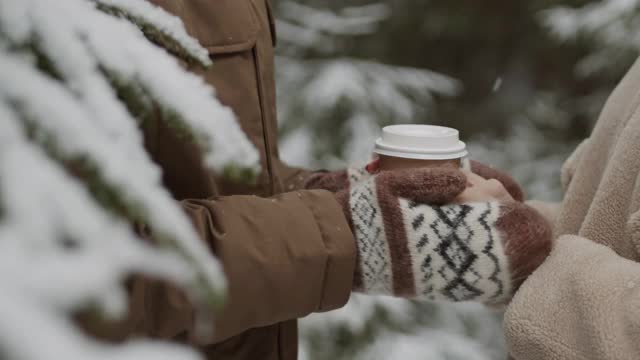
<point>222,26</point>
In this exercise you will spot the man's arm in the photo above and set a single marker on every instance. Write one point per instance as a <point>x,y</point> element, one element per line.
<point>284,257</point>
<point>582,303</point>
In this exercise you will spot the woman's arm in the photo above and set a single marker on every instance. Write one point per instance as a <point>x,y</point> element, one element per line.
<point>582,303</point>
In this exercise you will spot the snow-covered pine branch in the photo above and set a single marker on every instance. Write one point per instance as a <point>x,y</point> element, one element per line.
<point>612,26</point>
<point>160,27</point>
<point>305,28</point>
<point>319,84</point>
<point>112,49</point>
<point>76,82</point>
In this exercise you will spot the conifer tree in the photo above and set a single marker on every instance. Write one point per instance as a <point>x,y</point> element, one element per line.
<point>78,79</point>
<point>334,97</point>
<point>332,104</point>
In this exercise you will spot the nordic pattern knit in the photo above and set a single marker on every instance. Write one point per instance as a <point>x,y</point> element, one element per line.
<point>465,252</point>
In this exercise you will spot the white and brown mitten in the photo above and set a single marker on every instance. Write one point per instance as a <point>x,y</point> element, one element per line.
<point>335,181</point>
<point>412,245</point>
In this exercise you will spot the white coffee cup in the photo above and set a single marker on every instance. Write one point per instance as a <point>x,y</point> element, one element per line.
<point>416,145</point>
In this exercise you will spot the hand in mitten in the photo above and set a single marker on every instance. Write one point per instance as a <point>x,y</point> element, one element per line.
<point>489,173</point>
<point>411,246</point>
<point>335,181</point>
<point>480,189</point>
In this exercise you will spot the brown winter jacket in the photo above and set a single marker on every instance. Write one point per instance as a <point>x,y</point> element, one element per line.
<point>286,255</point>
<point>584,301</point>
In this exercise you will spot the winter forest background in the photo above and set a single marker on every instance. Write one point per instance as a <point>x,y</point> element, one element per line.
<point>523,80</point>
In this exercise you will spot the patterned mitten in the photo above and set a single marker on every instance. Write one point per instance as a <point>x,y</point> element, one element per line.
<point>339,180</point>
<point>409,246</point>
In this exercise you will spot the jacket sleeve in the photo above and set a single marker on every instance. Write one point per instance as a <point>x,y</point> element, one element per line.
<point>284,257</point>
<point>582,303</point>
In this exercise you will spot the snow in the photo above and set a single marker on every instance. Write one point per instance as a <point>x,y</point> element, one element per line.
<point>59,252</point>
<point>161,20</point>
<point>182,93</point>
<point>61,249</point>
<point>566,22</point>
<point>358,312</point>
<point>436,331</point>
<point>91,124</point>
<point>305,27</point>
<point>352,21</point>
<point>297,147</point>
<point>25,320</point>
<point>372,85</point>
<point>427,344</point>
<point>320,83</point>
<point>42,100</point>
<point>331,96</point>
<point>612,25</point>
<point>372,91</point>
<point>119,48</point>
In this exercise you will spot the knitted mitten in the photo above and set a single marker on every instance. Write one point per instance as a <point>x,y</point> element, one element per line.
<point>409,246</point>
<point>341,179</point>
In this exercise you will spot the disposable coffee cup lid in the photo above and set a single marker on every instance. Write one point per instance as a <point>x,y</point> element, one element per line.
<point>424,142</point>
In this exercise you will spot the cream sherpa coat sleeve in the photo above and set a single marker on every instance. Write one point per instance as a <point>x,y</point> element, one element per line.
<point>586,303</point>
<point>551,210</point>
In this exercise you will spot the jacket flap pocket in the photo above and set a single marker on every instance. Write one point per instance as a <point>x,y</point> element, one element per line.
<point>222,26</point>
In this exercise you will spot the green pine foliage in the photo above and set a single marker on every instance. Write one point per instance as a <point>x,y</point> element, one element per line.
<point>530,80</point>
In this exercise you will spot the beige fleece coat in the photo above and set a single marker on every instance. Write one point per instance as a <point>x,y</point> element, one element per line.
<point>584,301</point>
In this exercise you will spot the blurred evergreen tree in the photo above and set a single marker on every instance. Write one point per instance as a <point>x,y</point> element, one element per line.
<point>523,80</point>
<point>337,97</point>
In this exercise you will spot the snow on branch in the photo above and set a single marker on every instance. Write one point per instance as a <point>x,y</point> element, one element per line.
<point>60,252</point>
<point>60,125</point>
<point>140,74</point>
<point>377,86</point>
<point>76,83</point>
<point>318,83</point>
<point>612,26</point>
<point>604,15</point>
<point>351,21</point>
<point>357,96</point>
<point>159,26</point>
<point>312,28</point>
